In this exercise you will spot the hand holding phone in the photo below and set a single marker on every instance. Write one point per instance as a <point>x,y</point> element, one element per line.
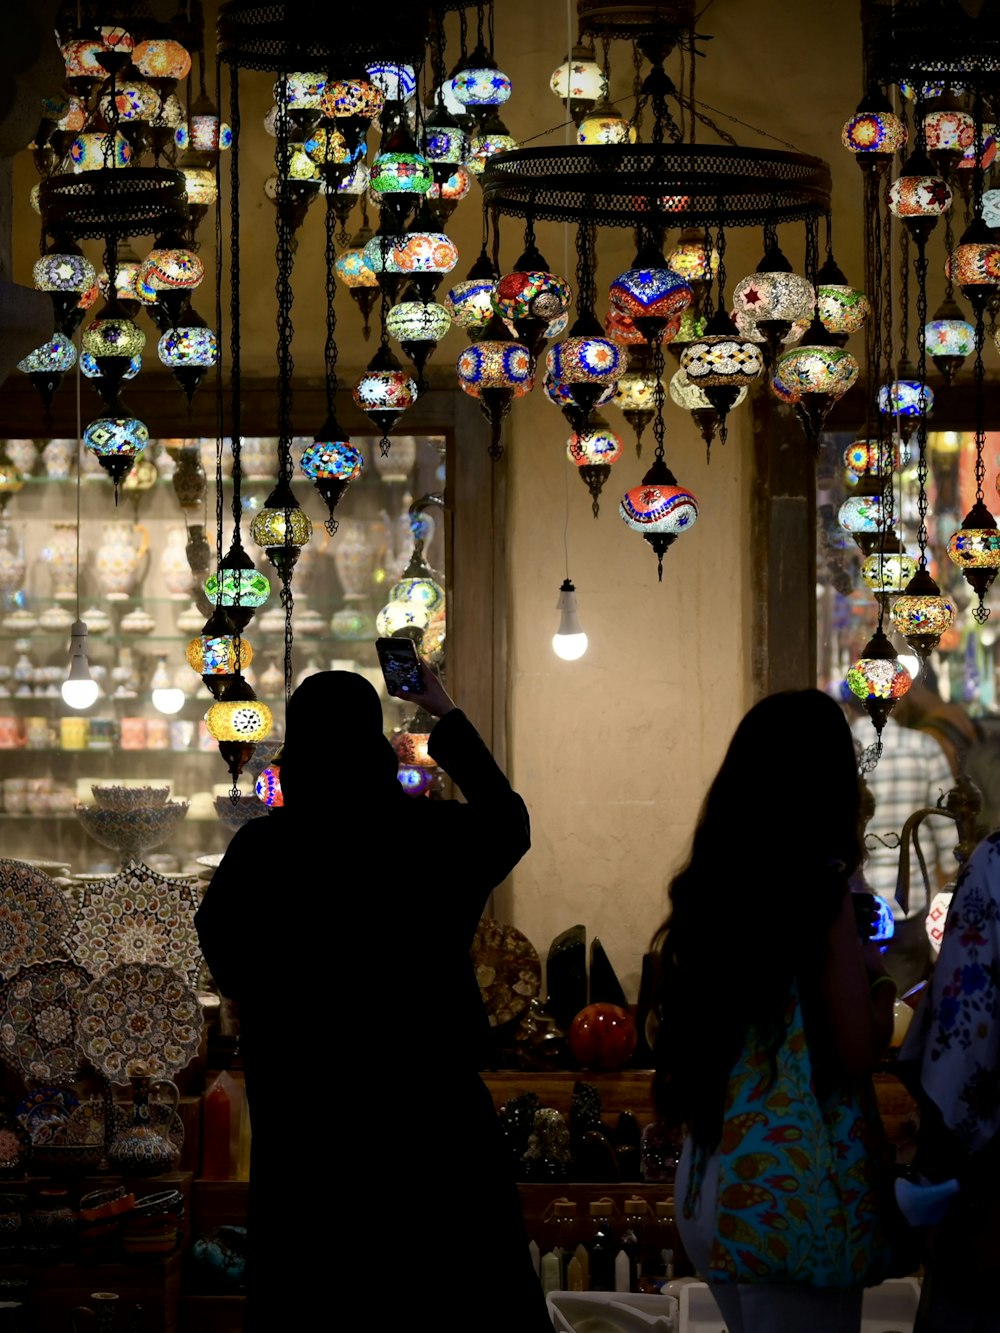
<point>400,666</point>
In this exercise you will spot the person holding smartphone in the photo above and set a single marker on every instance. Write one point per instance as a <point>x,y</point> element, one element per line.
<point>342,925</point>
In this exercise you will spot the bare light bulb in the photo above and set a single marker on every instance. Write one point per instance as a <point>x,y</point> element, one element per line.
<point>167,698</point>
<point>569,641</point>
<point>79,689</point>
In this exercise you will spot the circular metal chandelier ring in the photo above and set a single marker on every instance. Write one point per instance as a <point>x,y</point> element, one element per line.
<point>689,185</point>
<point>113,203</point>
<point>314,35</point>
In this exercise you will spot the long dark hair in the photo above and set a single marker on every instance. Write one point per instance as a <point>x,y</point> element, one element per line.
<point>776,840</point>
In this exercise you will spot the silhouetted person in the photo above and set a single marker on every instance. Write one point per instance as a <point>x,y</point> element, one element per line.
<point>771,1016</point>
<point>342,925</point>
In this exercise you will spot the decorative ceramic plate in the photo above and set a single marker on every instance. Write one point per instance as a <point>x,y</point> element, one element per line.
<point>140,1018</point>
<point>33,917</point>
<point>52,868</point>
<point>212,861</point>
<point>39,1009</point>
<point>138,916</point>
<point>508,970</point>
<point>44,1111</point>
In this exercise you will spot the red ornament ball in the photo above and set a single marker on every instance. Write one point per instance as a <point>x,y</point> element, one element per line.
<point>603,1036</point>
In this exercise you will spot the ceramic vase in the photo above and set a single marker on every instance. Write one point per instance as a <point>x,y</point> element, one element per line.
<point>189,479</point>
<point>174,570</point>
<point>58,457</point>
<point>12,562</point>
<point>60,556</point>
<point>121,558</point>
<point>23,454</point>
<point>141,1150</point>
<point>355,558</point>
<point>259,458</point>
<point>310,561</point>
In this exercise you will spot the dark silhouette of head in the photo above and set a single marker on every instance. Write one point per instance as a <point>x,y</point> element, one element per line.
<point>333,735</point>
<point>776,841</point>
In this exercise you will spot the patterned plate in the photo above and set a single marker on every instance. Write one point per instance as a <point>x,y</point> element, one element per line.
<point>138,916</point>
<point>39,1011</point>
<point>140,1018</point>
<point>33,917</point>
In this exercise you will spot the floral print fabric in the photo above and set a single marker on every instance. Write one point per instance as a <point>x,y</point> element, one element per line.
<point>799,1192</point>
<point>955,1035</point>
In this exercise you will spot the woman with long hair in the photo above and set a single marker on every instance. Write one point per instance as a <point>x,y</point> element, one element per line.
<point>771,1015</point>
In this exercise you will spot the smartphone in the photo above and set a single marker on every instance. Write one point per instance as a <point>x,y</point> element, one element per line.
<point>400,665</point>
<point>873,918</point>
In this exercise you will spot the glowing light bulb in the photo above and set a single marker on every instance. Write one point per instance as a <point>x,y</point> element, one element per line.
<point>569,641</point>
<point>79,689</point>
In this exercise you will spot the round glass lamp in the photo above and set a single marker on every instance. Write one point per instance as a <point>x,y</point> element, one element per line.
<point>354,99</point>
<point>493,139</point>
<point>199,183</point>
<point>193,346</point>
<point>949,339</point>
<point>396,82</point>
<point>479,83</point>
<point>239,721</point>
<point>921,614</point>
<point>64,269</point>
<point>906,399</point>
<point>91,151</point>
<point>580,80</point>
<point>402,618</point>
<point>470,304</point>
<point>878,678</point>
<point>874,134</point>
<point>659,509</point>
<point>975,265</point>
<point>604,124</point>
<point>401,173</point>
<point>282,528</point>
<point>919,196</point>
<point>162,58</point>
<point>54,357</point>
<point>267,788</point>
<point>773,297</point>
<point>887,573</point>
<point>598,446</point>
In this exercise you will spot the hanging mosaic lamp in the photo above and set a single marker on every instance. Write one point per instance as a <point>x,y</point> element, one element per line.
<point>396,82</point>
<point>203,131</point>
<point>267,788</point>
<point>842,308</point>
<point>129,292</point>
<point>878,678</point>
<point>864,515</point>
<point>237,722</point>
<point>331,463</point>
<point>921,614</point>
<point>419,583</point>
<point>650,293</point>
<point>689,327</point>
<point>906,399</point>
<point>773,298</point>
<point>605,124</point>
<point>470,302</point>
<point>586,363</point>
<point>692,259</point>
<point>635,398</point>
<point>45,366</point>
<point>494,367</point>
<point>819,372</point>
<point>65,273</point>
<point>919,196</point>
<point>384,392</point>
<point>444,196</point>
<point>530,297</point>
<point>949,132</point>
<point>113,340</point>
<point>189,351</point>
<point>721,363</point>
<point>115,441</point>
<point>418,327</point>
<point>281,527</point>
<point>580,82</point>
<point>352,104</point>
<point>479,84</point>
<point>217,653</point>
<point>560,396</point>
<point>975,549</point>
<point>400,175</point>
<point>659,509</point>
<point>888,569</point>
<point>238,586</point>
<point>423,254</point>
<point>873,457</point>
<point>874,134</point>
<point>975,265</point>
<point>492,139</point>
<point>593,453</point>
<point>445,143</point>
<point>970,159</point>
<point>949,338</point>
<point>162,60</point>
<point>691,397</point>
<point>172,270</point>
<point>357,275</point>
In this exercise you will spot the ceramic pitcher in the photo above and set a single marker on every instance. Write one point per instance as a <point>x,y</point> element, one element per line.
<point>141,1149</point>
<point>355,556</point>
<point>60,556</point>
<point>175,572</point>
<point>121,558</point>
<point>12,563</point>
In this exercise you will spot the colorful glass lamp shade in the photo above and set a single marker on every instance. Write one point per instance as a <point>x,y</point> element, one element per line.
<point>281,527</point>
<point>238,585</point>
<point>842,309</point>
<point>478,83</point>
<point>586,364</point>
<point>659,509</point>
<point>237,721</point>
<point>116,440</point>
<point>384,392</point>
<point>530,298</point>
<point>949,339</point>
<point>65,273</point>
<point>772,298</point>
<point>46,365</point>
<point>888,569</point>
<point>818,373</point>
<point>919,196</point>
<point>635,398</point>
<point>171,270</point>
<point>975,265</point>
<point>921,614</point>
<point>650,293</point>
<point>721,363</point>
<point>491,140</point>
<point>975,549</point>
<point>218,653</point>
<point>331,463</point>
<point>874,134</point>
<point>864,514</point>
<point>878,678</point>
<point>493,369</point>
<point>580,82</point>
<point>470,304</point>
<point>593,451</point>
<point>267,788</point>
<point>905,400</point>
<point>418,327</point>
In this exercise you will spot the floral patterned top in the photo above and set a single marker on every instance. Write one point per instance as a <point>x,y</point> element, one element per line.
<point>955,1033</point>
<point>800,1181</point>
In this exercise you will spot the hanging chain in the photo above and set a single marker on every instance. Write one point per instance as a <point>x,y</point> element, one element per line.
<point>720,247</point>
<point>219,407</point>
<point>586,283</point>
<point>949,248</point>
<point>638,100</point>
<point>283,286</point>
<point>708,307</point>
<point>235,338</point>
<point>330,346</point>
<point>904,294</point>
<point>659,397</point>
<point>812,259</point>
